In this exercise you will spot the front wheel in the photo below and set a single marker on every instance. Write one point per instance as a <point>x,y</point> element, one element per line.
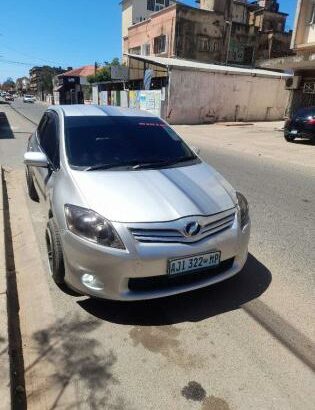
<point>289,138</point>
<point>54,252</point>
<point>30,186</point>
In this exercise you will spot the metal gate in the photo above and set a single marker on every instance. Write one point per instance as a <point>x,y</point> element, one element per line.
<point>304,96</point>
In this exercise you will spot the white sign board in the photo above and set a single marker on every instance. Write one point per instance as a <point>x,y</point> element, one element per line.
<point>119,72</point>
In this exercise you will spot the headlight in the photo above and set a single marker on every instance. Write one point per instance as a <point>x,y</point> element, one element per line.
<point>243,208</point>
<point>91,226</point>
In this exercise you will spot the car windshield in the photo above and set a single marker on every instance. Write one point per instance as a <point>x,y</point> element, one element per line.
<point>28,96</point>
<point>304,112</point>
<point>117,141</point>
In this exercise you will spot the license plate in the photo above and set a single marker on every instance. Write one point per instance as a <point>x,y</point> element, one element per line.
<point>193,263</point>
<point>293,132</point>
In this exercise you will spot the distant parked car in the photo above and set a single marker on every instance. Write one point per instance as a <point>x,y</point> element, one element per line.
<point>301,125</point>
<point>9,97</point>
<point>28,99</point>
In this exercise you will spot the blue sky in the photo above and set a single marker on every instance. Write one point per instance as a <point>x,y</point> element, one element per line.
<point>65,32</point>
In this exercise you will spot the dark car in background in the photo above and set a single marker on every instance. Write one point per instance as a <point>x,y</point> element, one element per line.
<point>301,125</point>
<point>9,97</point>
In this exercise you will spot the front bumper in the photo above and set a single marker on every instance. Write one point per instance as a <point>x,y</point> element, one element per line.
<point>117,270</point>
<point>301,133</point>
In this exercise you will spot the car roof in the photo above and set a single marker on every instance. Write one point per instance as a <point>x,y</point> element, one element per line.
<point>80,110</point>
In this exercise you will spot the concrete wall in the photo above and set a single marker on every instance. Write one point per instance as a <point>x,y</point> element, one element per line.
<point>198,97</point>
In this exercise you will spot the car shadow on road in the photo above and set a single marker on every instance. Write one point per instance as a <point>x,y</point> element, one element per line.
<point>5,129</point>
<point>304,142</point>
<point>194,306</point>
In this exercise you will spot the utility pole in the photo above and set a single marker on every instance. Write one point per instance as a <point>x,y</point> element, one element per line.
<point>229,23</point>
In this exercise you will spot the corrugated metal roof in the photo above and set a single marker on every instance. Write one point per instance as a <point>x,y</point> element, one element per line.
<point>197,66</point>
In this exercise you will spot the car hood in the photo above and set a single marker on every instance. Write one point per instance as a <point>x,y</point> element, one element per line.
<point>155,195</point>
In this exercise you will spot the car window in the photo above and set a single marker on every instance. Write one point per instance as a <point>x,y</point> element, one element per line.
<point>49,138</point>
<point>304,112</point>
<point>116,140</point>
<point>41,126</point>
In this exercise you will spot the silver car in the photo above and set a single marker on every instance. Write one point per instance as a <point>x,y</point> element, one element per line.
<point>28,99</point>
<point>133,212</point>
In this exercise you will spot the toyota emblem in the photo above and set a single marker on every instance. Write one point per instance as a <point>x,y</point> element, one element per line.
<point>192,229</point>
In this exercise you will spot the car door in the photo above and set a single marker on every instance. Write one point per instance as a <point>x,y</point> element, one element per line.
<point>48,139</point>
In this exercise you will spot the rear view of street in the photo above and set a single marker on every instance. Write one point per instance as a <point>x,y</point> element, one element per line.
<point>247,343</point>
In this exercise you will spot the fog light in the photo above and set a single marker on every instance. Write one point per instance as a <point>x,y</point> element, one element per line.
<point>91,282</point>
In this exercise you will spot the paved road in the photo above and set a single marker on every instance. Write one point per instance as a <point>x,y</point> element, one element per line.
<point>33,111</point>
<point>244,344</point>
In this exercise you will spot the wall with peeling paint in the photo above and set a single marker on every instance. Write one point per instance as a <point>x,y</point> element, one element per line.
<point>198,97</point>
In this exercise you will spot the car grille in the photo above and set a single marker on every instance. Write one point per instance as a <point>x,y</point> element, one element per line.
<point>156,283</point>
<point>174,232</point>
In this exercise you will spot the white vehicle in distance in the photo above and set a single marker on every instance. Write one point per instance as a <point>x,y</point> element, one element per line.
<point>29,99</point>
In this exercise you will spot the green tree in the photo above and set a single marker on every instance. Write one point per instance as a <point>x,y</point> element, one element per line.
<point>103,73</point>
<point>8,84</point>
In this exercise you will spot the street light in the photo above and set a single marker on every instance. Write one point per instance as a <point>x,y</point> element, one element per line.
<point>229,23</point>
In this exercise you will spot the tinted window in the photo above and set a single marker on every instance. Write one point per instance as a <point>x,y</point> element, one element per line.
<point>48,137</point>
<point>305,112</point>
<point>122,140</point>
<point>41,126</point>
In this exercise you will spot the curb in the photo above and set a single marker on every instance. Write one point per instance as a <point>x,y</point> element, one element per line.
<point>37,319</point>
<point>4,336</point>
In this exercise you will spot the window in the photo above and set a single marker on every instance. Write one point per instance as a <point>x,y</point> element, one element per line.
<point>135,50</point>
<point>49,139</point>
<point>160,44</point>
<point>312,15</point>
<point>122,141</point>
<point>151,5</point>
<point>203,43</point>
<point>157,5</point>
<point>145,49</point>
<point>41,126</point>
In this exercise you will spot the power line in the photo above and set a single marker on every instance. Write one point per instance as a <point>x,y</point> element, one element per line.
<point>30,56</point>
<point>16,62</point>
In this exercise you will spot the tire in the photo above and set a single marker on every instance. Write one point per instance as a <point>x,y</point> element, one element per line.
<point>289,138</point>
<point>54,252</point>
<point>32,193</point>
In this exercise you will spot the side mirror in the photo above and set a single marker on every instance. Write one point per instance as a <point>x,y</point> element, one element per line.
<point>36,159</point>
<point>196,150</point>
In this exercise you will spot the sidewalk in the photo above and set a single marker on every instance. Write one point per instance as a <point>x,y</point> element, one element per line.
<point>261,140</point>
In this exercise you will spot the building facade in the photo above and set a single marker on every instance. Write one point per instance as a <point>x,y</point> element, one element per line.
<point>222,31</point>
<point>179,31</point>
<point>136,11</point>
<point>302,63</point>
<point>41,80</point>
<point>72,87</point>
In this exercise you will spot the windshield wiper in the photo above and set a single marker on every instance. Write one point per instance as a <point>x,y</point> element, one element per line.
<point>138,165</point>
<point>110,166</point>
<point>101,166</point>
<point>163,163</point>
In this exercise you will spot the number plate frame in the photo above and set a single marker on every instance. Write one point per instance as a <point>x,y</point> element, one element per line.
<point>193,270</point>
